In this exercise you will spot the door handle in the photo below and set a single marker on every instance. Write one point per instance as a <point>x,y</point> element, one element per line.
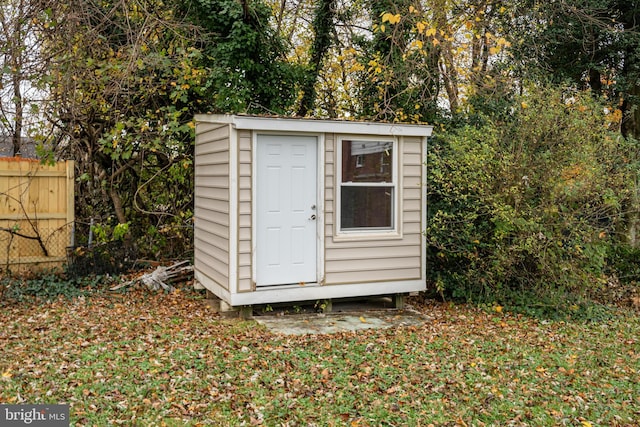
<point>312,217</point>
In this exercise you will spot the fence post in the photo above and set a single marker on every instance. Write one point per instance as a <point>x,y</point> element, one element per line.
<point>90,242</point>
<point>71,188</point>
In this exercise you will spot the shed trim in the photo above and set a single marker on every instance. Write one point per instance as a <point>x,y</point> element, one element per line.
<point>233,211</point>
<point>212,285</point>
<point>424,203</point>
<point>285,124</point>
<point>315,291</point>
<point>320,208</point>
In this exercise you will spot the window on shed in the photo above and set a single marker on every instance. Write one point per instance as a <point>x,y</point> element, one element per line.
<point>367,185</point>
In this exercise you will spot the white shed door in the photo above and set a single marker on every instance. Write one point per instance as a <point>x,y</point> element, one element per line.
<point>286,199</point>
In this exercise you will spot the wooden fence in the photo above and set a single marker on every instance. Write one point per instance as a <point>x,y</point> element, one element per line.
<point>36,214</point>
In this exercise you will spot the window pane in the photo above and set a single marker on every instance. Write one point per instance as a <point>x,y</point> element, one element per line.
<point>366,207</point>
<point>367,161</point>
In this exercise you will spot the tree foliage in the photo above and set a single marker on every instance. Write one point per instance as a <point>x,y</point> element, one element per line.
<point>528,207</point>
<point>248,71</point>
<point>594,44</point>
<point>401,81</point>
<point>124,87</point>
<point>128,78</point>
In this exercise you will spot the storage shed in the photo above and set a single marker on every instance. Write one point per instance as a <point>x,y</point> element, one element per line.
<point>290,209</point>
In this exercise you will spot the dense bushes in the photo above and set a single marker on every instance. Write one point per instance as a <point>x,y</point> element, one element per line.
<point>525,210</point>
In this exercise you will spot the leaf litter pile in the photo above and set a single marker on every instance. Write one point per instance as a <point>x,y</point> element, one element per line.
<point>143,358</point>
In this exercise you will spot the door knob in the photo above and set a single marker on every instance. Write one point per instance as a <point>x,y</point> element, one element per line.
<point>312,217</point>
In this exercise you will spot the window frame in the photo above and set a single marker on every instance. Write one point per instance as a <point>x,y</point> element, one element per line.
<point>368,233</point>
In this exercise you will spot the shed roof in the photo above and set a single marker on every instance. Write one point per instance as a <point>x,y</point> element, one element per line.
<point>291,124</point>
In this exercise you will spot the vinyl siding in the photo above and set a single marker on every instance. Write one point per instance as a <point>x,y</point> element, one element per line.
<point>245,181</point>
<point>211,234</point>
<point>358,261</point>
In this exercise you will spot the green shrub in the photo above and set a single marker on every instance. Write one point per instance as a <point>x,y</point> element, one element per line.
<point>624,261</point>
<point>523,211</point>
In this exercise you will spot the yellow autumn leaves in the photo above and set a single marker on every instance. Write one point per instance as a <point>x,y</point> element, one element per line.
<point>428,32</point>
<point>391,18</point>
<point>421,27</point>
<point>496,43</point>
<point>387,17</point>
<point>500,43</point>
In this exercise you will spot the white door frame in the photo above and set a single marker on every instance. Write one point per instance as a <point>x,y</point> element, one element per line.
<point>320,211</point>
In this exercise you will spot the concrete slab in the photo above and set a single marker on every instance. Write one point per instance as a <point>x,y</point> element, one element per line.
<point>345,316</point>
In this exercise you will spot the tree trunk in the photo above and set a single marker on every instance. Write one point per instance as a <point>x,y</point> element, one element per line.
<point>322,25</point>
<point>631,129</point>
<point>630,126</point>
<point>16,62</point>
<point>595,81</point>
<point>631,113</point>
<point>447,64</point>
<point>17,129</point>
<point>117,206</point>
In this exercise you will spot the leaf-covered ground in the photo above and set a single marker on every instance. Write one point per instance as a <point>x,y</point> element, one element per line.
<point>165,359</point>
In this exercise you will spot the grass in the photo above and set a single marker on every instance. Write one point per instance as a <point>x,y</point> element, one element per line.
<point>147,359</point>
